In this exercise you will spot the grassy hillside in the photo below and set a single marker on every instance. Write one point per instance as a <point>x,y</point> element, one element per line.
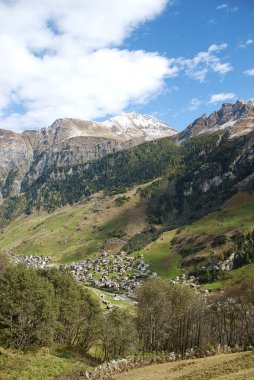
<point>160,256</point>
<point>193,244</point>
<point>104,221</point>
<point>40,365</point>
<point>196,241</point>
<point>75,232</point>
<point>238,366</point>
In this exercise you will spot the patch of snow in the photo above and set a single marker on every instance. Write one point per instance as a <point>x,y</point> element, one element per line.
<point>136,125</point>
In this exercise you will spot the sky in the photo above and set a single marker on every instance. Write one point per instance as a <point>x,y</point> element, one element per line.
<point>93,59</point>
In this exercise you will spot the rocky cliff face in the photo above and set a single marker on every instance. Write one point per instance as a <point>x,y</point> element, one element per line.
<point>69,142</point>
<point>16,156</point>
<point>235,119</point>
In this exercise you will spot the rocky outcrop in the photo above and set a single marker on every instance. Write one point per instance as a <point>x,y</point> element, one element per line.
<point>235,119</point>
<point>16,156</point>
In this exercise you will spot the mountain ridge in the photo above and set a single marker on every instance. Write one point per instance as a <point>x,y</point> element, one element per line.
<point>236,119</point>
<point>71,141</point>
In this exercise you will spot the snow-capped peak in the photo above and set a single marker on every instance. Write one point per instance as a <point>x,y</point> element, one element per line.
<point>134,124</point>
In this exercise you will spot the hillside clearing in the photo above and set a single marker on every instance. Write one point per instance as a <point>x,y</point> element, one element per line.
<point>74,233</point>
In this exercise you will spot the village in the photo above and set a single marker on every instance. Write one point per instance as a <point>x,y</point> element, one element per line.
<point>119,273</point>
<point>36,262</point>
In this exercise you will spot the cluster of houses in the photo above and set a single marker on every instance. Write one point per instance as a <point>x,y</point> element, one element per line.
<point>37,262</point>
<point>118,272</point>
<point>183,279</point>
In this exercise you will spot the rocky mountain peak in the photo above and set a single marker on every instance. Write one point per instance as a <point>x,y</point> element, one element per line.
<point>70,141</point>
<point>133,124</point>
<point>237,119</point>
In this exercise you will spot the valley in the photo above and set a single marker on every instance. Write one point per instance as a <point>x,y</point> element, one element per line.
<point>126,190</point>
<point>109,239</point>
<point>182,202</point>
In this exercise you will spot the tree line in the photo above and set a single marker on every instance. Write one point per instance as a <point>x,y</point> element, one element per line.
<point>47,307</point>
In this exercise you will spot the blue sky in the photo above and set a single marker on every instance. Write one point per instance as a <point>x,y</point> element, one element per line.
<point>186,28</point>
<point>92,59</point>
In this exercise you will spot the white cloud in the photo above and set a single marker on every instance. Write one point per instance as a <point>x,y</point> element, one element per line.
<point>194,104</point>
<point>221,97</point>
<point>202,63</point>
<point>225,7</point>
<point>249,72</point>
<point>222,6</point>
<point>245,44</point>
<point>63,59</point>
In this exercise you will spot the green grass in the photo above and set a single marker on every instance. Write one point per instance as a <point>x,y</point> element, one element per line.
<point>72,233</point>
<point>108,297</point>
<point>45,234</point>
<point>236,275</point>
<point>238,212</point>
<point>36,366</point>
<point>160,257</point>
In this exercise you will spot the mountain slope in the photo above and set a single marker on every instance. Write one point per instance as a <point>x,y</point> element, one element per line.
<point>73,233</point>
<point>204,243</point>
<point>68,142</point>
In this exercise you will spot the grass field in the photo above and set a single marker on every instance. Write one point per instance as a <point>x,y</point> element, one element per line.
<point>108,297</point>
<point>160,256</point>
<point>237,212</point>
<point>234,276</point>
<point>74,233</point>
<point>39,365</point>
<point>238,366</point>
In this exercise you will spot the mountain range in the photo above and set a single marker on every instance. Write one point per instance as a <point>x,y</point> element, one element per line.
<point>73,141</point>
<point>76,187</point>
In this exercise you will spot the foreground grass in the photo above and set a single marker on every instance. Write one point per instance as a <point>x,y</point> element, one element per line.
<point>238,366</point>
<point>38,365</point>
